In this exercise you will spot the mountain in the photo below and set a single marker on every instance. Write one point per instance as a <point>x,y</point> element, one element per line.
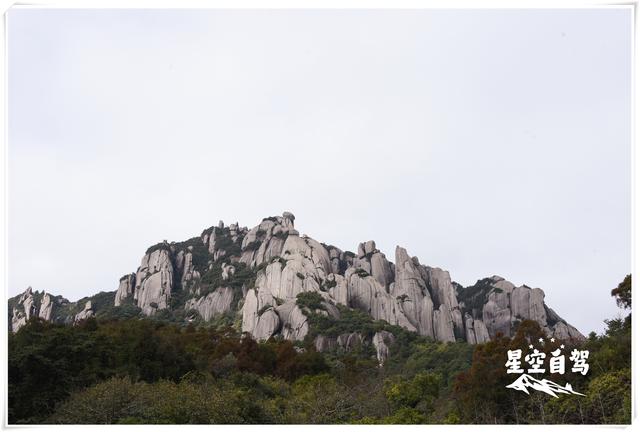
<point>272,281</point>
<point>525,382</point>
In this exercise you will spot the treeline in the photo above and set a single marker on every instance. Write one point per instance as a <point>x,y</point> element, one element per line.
<point>146,371</point>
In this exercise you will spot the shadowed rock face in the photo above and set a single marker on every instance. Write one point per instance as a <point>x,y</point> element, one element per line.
<point>258,274</point>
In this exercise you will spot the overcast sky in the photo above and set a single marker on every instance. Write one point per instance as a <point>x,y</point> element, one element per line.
<point>484,142</point>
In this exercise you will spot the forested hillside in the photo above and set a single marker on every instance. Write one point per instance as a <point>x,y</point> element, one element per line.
<point>145,370</point>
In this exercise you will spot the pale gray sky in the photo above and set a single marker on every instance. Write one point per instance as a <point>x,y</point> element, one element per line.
<point>485,142</point>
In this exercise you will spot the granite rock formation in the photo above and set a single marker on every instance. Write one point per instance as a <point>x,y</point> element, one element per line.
<point>256,277</point>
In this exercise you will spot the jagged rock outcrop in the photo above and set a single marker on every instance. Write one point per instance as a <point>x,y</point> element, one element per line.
<point>410,289</point>
<point>85,313</point>
<point>57,309</point>
<point>46,307</point>
<point>125,288</point>
<point>184,261</point>
<point>35,304</point>
<point>23,310</point>
<point>259,273</point>
<point>154,281</point>
<point>267,239</point>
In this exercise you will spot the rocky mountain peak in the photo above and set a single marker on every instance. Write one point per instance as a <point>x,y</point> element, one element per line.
<point>272,279</point>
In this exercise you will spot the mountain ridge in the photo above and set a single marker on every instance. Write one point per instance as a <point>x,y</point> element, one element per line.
<point>254,278</point>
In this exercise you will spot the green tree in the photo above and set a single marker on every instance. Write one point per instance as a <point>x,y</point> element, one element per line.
<point>622,293</point>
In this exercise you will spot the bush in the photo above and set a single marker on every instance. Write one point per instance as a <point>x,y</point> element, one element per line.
<point>310,300</point>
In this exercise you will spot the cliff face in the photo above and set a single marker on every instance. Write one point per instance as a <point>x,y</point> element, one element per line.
<point>256,276</point>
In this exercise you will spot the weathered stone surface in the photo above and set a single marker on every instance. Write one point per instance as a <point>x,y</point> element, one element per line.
<point>18,320</point>
<point>443,324</point>
<point>190,276</point>
<point>339,290</point>
<point>24,309</point>
<point>481,332</point>
<point>125,288</point>
<point>536,306</point>
<point>250,311</point>
<point>443,293</point>
<point>404,293</point>
<point>267,325</point>
<point>381,270</point>
<point>46,308</point>
<point>563,331</point>
<point>213,304</point>
<point>294,322</point>
<point>470,333</point>
<point>381,341</point>
<point>154,281</point>
<point>366,294</point>
<point>520,303</point>
<point>411,291</point>
<point>496,319</point>
<point>266,240</point>
<point>27,302</point>
<point>85,313</point>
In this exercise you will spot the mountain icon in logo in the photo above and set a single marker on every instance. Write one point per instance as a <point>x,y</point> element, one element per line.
<point>525,382</point>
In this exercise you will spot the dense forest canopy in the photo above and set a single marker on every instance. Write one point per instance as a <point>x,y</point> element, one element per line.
<point>130,370</point>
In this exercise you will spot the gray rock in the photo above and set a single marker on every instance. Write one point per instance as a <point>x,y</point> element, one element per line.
<point>212,305</point>
<point>381,341</point>
<point>190,276</point>
<point>496,319</point>
<point>566,332</point>
<point>125,288</point>
<point>443,293</point>
<point>381,270</point>
<point>268,323</point>
<point>24,309</point>
<point>18,320</point>
<point>154,282</point>
<point>370,247</point>
<point>411,291</point>
<point>366,293</point>
<point>470,333</point>
<point>85,313</point>
<point>481,332</point>
<point>250,312</point>
<point>536,306</point>
<point>520,303</point>
<point>46,308</point>
<point>294,322</point>
<point>443,324</point>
